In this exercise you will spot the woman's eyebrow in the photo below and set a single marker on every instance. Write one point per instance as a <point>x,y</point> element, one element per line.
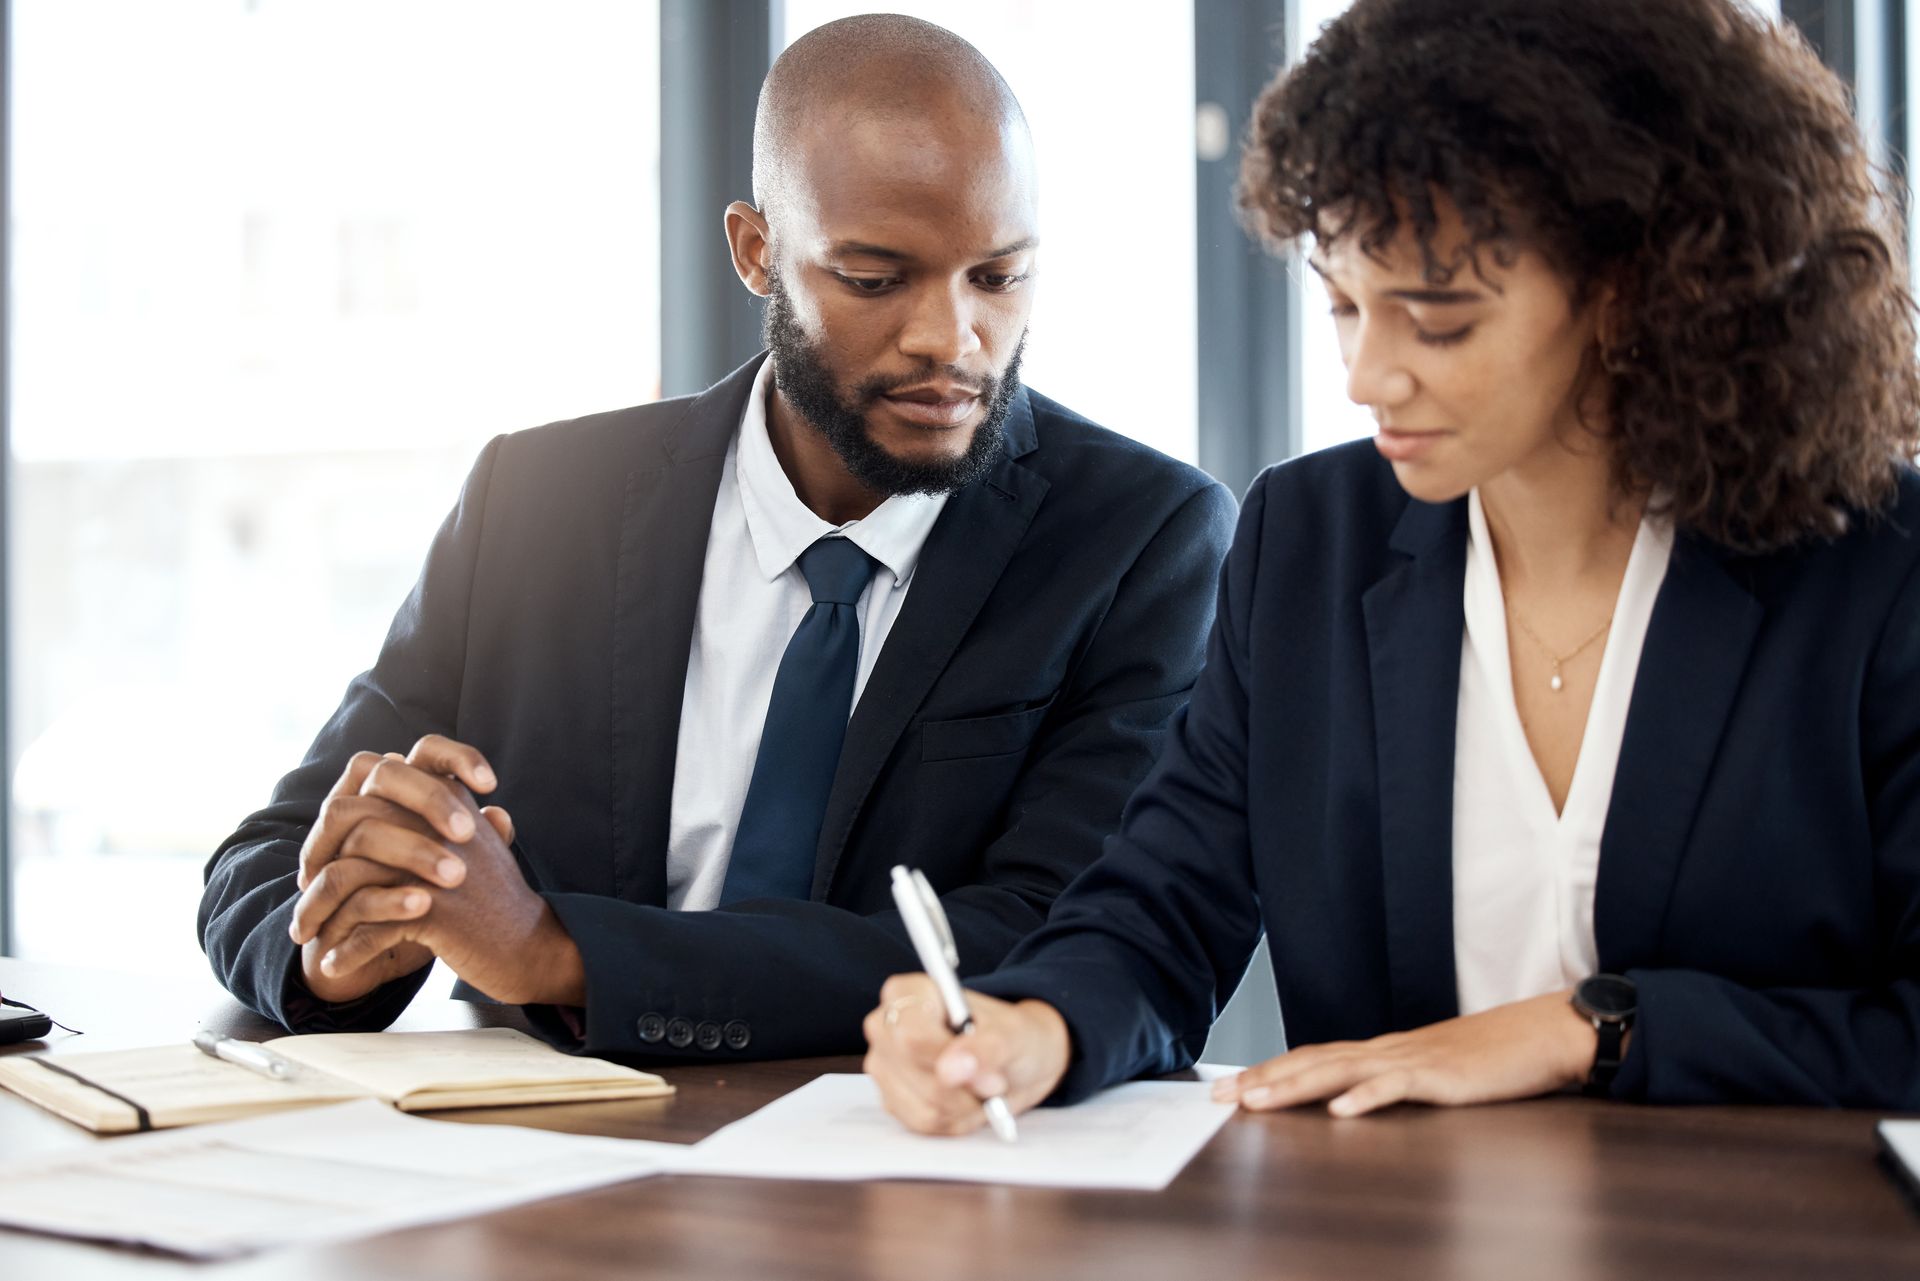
<point>1437,297</point>
<point>1430,297</point>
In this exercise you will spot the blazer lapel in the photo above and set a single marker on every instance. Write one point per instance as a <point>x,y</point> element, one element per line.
<point>1698,643</point>
<point>667,513</point>
<point>976,535</point>
<point>1415,619</point>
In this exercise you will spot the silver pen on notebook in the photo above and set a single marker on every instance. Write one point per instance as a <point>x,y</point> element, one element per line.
<point>247,1054</point>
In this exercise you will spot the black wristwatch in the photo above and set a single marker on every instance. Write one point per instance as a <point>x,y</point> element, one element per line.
<point>1609,1002</point>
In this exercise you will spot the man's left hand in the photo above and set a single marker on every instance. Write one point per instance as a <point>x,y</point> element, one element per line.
<point>1513,1051</point>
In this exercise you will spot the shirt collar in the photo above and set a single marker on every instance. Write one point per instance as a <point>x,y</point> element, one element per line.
<point>781,526</point>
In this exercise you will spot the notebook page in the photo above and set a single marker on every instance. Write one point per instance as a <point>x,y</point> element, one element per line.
<point>394,1065</point>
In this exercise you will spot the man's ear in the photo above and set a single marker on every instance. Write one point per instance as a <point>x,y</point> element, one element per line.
<point>749,241</point>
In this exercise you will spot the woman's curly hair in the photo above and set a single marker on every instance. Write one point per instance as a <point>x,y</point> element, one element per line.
<point>1760,361</point>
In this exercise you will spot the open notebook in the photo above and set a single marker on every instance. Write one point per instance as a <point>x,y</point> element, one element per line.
<point>114,1091</point>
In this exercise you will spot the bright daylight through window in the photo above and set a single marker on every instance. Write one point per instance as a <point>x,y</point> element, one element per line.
<point>280,269</point>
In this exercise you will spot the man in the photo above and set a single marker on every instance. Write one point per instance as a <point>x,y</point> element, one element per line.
<point>641,633</point>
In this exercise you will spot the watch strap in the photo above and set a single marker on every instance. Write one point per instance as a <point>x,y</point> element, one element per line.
<point>1606,1055</point>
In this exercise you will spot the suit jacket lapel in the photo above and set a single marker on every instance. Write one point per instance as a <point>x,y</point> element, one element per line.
<point>1415,619</point>
<point>667,513</point>
<point>1698,643</point>
<point>975,537</point>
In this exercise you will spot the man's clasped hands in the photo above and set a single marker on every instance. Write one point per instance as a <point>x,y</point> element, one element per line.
<point>403,864</point>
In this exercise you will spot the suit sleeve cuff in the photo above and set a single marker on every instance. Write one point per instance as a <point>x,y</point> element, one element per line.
<point>1097,1059</point>
<point>299,1010</point>
<point>563,1026</point>
<point>1633,1081</point>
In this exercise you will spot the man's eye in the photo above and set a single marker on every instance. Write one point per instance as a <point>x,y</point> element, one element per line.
<point>870,284</point>
<point>1001,284</point>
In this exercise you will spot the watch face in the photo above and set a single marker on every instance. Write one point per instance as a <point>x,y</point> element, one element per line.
<point>1608,996</point>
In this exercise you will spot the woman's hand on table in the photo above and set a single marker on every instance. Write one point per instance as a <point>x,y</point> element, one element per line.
<point>1515,1051</point>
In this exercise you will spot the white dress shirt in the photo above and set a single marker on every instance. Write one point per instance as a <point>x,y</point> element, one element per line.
<point>752,598</point>
<point>1523,876</point>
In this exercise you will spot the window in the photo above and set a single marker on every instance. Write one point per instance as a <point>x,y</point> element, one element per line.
<point>1113,322</point>
<point>280,269</point>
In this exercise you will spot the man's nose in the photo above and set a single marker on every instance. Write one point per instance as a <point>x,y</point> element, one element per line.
<point>939,329</point>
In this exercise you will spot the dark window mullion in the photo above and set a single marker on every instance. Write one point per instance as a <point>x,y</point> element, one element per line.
<point>1865,42</point>
<point>713,58</point>
<point>1828,26</point>
<point>1248,352</point>
<point>1249,394</point>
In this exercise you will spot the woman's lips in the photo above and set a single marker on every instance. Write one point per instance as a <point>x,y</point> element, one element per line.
<point>1405,446</point>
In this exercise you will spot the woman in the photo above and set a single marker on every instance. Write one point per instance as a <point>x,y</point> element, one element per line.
<point>1568,733</point>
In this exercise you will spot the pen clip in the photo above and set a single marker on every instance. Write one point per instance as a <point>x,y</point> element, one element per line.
<point>938,917</point>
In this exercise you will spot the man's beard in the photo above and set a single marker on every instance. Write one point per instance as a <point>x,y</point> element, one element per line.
<point>808,385</point>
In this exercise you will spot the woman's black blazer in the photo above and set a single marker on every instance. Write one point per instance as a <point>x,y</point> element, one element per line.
<point>1759,873</point>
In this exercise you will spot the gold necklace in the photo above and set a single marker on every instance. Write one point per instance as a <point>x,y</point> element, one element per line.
<point>1556,684</point>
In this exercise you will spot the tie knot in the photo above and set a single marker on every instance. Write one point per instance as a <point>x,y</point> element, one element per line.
<point>836,570</point>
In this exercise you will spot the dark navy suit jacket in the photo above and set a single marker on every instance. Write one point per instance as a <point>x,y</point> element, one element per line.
<point>1057,619</point>
<point>1759,874</point>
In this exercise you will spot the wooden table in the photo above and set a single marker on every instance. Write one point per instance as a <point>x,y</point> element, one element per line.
<point>1551,1188</point>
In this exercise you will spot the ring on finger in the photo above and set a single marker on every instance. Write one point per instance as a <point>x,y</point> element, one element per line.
<point>892,1016</point>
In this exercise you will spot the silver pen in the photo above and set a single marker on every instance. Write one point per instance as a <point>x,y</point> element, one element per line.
<point>940,958</point>
<point>247,1054</point>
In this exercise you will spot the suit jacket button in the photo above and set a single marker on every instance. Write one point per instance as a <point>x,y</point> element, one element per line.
<point>707,1037</point>
<point>651,1028</point>
<point>679,1034</point>
<point>738,1035</point>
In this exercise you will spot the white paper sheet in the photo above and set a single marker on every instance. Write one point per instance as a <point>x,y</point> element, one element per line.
<point>1903,1137</point>
<point>1136,1136</point>
<point>318,1174</point>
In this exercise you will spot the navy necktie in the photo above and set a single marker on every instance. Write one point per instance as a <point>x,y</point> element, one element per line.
<point>773,847</point>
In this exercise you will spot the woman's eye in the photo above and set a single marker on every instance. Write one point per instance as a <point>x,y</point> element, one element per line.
<point>1448,339</point>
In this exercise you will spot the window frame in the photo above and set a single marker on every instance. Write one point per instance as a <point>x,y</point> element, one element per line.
<point>713,58</point>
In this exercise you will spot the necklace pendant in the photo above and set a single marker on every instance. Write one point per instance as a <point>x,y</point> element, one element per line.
<point>1554,684</point>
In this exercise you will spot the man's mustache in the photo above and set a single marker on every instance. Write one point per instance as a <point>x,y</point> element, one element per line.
<point>874,388</point>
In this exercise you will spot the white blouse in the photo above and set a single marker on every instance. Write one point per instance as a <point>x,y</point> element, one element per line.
<point>1523,876</point>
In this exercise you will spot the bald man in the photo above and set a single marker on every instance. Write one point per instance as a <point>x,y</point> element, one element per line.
<point>680,684</point>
